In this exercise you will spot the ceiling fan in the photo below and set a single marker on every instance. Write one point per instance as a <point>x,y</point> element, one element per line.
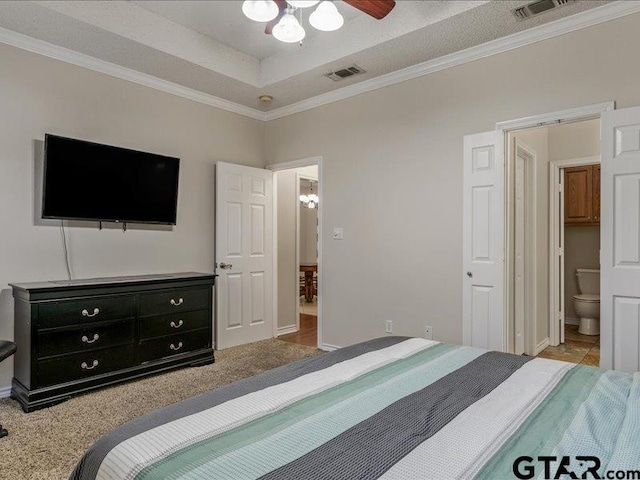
<point>280,15</point>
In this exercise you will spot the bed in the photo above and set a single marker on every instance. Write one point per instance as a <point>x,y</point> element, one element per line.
<point>391,408</point>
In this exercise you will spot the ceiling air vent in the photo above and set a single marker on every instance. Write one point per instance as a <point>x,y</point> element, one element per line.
<point>345,72</point>
<point>538,7</point>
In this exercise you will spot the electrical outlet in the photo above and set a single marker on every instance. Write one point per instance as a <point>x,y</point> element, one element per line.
<point>388,326</point>
<point>428,332</point>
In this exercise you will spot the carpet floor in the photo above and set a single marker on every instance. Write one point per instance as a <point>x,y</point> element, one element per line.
<point>47,443</point>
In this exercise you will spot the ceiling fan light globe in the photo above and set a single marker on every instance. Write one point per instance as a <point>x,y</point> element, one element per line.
<point>260,10</point>
<point>326,17</point>
<point>302,3</point>
<point>288,29</point>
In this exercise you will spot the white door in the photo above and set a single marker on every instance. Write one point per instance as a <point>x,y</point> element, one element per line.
<point>483,241</point>
<point>620,241</point>
<point>244,254</point>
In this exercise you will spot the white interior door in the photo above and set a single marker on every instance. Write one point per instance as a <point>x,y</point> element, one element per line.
<point>244,254</point>
<point>483,241</point>
<point>620,241</point>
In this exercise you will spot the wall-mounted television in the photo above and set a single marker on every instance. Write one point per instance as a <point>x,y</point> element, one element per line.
<point>90,181</point>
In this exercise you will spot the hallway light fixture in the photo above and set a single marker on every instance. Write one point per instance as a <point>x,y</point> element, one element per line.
<point>311,200</point>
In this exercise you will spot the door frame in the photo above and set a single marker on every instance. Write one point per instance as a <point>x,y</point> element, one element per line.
<point>276,167</point>
<point>529,307</point>
<point>587,112</point>
<point>300,176</point>
<point>556,273</point>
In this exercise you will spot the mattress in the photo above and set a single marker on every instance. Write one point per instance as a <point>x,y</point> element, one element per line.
<point>390,408</point>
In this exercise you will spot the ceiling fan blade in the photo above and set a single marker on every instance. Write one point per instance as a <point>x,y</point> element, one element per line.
<point>376,8</point>
<point>282,5</point>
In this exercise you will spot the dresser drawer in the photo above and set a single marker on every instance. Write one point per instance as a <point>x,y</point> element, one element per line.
<point>161,326</point>
<point>85,338</point>
<point>173,345</point>
<point>83,365</point>
<point>174,301</point>
<point>90,309</point>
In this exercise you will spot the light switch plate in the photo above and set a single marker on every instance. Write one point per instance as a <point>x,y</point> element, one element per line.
<point>338,233</point>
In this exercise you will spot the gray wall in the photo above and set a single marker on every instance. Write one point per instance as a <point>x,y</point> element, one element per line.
<point>287,275</point>
<point>392,171</point>
<point>40,95</point>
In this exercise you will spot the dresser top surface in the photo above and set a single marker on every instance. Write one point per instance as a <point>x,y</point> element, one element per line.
<point>106,281</point>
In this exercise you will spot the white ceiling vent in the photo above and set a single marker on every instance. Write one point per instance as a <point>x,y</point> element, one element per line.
<point>538,7</point>
<point>345,72</point>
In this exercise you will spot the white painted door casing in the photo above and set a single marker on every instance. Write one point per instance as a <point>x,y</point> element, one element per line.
<point>483,241</point>
<point>244,240</point>
<point>620,241</point>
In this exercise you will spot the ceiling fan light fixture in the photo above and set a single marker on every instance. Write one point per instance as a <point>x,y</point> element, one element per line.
<point>302,3</point>
<point>326,17</point>
<point>288,29</point>
<point>260,10</point>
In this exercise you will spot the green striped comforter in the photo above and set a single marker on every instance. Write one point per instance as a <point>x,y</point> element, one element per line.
<point>391,408</point>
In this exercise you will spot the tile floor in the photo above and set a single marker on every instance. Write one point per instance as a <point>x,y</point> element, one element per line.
<point>578,348</point>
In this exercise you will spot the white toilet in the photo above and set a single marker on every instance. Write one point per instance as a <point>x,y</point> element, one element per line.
<point>587,303</point>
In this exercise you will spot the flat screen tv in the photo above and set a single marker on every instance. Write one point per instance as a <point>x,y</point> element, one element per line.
<point>89,181</point>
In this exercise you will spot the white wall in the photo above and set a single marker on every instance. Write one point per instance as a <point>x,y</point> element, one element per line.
<point>308,228</point>
<point>392,171</point>
<point>287,224</point>
<point>40,95</point>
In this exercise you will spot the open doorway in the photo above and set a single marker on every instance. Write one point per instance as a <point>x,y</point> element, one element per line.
<point>298,274</point>
<point>554,241</point>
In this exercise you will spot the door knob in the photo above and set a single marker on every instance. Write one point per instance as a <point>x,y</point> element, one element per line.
<point>225,266</point>
<point>469,274</point>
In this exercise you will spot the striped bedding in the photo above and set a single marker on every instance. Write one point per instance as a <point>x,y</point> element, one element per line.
<point>391,408</point>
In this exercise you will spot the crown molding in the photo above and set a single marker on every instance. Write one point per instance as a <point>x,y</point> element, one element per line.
<point>56,52</point>
<point>595,16</point>
<point>562,26</point>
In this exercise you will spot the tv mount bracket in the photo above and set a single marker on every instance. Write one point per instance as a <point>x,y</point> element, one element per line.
<point>124,225</point>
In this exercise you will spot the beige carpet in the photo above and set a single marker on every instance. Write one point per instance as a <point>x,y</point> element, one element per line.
<point>47,443</point>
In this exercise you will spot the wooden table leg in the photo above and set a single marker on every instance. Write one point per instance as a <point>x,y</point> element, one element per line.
<point>308,286</point>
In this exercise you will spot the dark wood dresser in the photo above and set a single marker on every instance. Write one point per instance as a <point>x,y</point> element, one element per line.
<point>79,335</point>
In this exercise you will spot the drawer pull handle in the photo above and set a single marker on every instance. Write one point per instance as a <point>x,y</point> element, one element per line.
<point>95,338</point>
<point>178,325</point>
<point>85,312</point>
<point>179,302</point>
<point>94,364</point>
<point>173,347</point>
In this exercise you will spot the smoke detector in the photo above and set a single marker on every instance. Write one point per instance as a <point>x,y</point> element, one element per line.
<point>538,7</point>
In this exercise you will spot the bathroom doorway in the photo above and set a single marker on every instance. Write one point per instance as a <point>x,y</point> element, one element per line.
<point>554,236</point>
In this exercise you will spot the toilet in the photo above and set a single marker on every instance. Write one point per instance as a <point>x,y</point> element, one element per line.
<point>587,303</point>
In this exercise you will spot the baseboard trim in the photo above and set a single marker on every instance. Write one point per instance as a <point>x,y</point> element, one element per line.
<point>542,345</point>
<point>328,348</point>
<point>286,330</point>
<point>5,392</point>
<point>572,321</point>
